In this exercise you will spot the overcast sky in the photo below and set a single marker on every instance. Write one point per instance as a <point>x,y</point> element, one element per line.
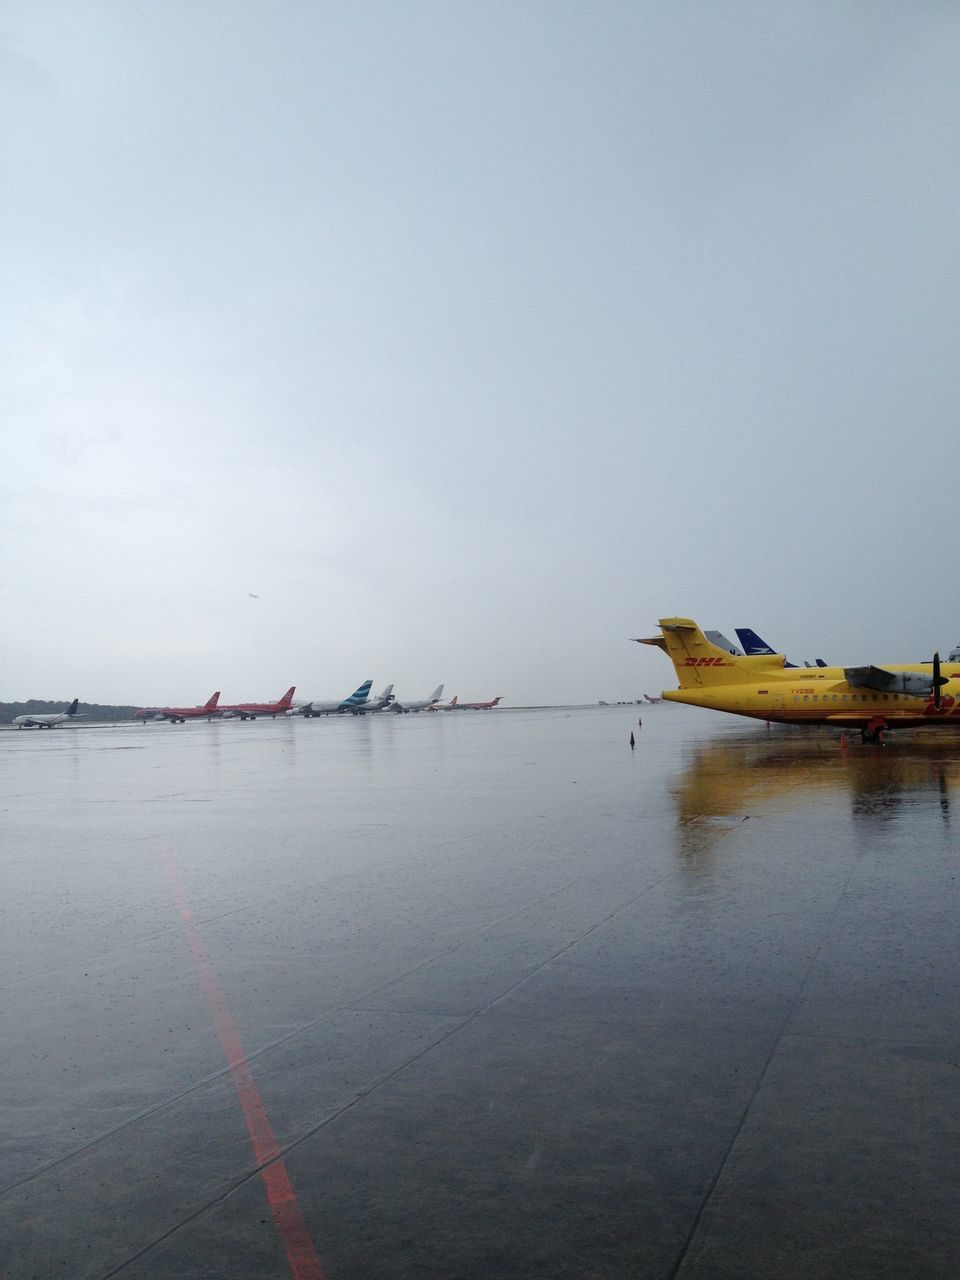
<point>471,339</point>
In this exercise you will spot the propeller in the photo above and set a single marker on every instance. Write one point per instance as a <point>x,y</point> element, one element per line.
<point>938,681</point>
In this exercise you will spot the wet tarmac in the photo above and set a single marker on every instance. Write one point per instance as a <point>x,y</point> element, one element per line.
<point>479,995</point>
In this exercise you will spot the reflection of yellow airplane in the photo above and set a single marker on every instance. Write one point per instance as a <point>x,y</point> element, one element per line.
<point>743,773</point>
<point>871,699</point>
<point>724,780</point>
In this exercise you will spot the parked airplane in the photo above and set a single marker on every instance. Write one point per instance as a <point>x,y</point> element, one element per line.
<point>49,719</point>
<point>425,705</point>
<point>250,710</point>
<point>478,706</point>
<point>869,698</point>
<point>752,644</point>
<point>654,701</point>
<point>175,714</point>
<point>380,702</point>
<point>355,701</point>
<point>452,705</point>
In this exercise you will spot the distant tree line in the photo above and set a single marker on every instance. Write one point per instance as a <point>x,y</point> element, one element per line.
<point>35,706</point>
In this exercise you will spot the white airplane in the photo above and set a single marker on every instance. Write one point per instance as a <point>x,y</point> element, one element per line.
<point>357,701</point>
<point>378,703</point>
<point>420,706</point>
<point>48,719</point>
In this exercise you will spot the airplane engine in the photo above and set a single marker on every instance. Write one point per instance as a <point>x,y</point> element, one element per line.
<point>916,684</point>
<point>921,686</point>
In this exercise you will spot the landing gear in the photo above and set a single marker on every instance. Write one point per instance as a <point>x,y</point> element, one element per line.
<point>874,731</point>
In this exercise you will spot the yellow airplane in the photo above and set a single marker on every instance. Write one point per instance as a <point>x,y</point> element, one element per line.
<point>871,699</point>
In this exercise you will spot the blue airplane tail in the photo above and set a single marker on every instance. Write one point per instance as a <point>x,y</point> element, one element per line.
<point>752,644</point>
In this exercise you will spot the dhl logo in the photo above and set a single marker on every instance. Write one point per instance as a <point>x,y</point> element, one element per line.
<point>948,707</point>
<point>706,662</point>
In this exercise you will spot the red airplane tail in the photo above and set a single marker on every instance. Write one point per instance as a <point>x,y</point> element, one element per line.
<point>211,703</point>
<point>287,698</point>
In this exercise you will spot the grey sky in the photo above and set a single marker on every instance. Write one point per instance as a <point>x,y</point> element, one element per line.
<point>473,338</point>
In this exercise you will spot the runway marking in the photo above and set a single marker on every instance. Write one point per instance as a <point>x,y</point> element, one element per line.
<point>288,1220</point>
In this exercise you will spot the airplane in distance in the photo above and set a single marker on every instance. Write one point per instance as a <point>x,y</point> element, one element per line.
<point>49,719</point>
<point>870,698</point>
<point>752,644</point>
<point>477,706</point>
<point>379,702</point>
<point>250,710</point>
<point>423,705</point>
<point>355,701</point>
<point>181,714</point>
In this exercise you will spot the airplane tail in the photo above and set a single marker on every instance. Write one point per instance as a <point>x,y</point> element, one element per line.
<point>698,663</point>
<point>453,701</point>
<point>496,699</point>
<point>721,641</point>
<point>211,703</point>
<point>287,699</point>
<point>437,694</point>
<point>359,695</point>
<point>751,642</point>
<point>72,709</point>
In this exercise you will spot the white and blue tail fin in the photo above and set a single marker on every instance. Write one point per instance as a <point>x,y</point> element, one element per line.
<point>754,646</point>
<point>359,696</point>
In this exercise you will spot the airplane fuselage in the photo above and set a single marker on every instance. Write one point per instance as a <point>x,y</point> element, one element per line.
<point>822,695</point>
<point>334,708</point>
<point>250,710</point>
<point>186,713</point>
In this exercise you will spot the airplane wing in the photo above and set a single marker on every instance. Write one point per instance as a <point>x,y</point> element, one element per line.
<point>870,678</point>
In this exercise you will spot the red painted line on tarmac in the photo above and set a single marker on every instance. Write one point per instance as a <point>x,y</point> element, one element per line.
<point>288,1220</point>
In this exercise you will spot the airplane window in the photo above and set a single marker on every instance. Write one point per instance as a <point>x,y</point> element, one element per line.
<point>835,698</point>
<point>886,697</point>
<point>844,697</point>
<point>805,698</point>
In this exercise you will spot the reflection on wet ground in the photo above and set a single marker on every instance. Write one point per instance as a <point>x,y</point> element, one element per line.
<point>725,777</point>
<point>446,995</point>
